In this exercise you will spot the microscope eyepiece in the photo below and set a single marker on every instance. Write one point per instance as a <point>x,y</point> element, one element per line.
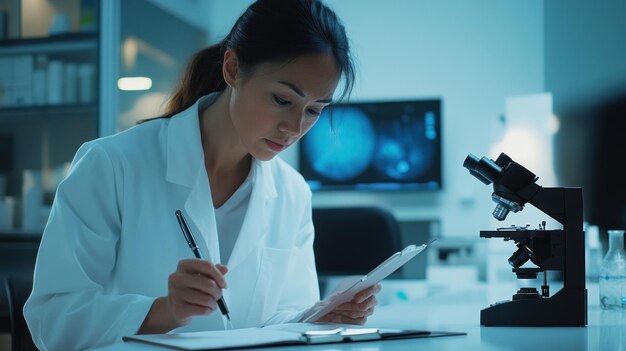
<point>471,161</point>
<point>484,169</point>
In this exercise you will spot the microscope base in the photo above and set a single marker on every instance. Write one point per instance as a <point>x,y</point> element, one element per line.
<point>565,308</point>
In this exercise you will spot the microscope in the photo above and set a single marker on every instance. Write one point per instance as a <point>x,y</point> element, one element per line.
<point>550,250</point>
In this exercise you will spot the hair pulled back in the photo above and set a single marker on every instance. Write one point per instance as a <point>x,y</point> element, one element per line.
<point>269,31</point>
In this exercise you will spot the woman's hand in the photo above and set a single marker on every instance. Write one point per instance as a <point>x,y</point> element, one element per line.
<point>193,290</point>
<point>355,311</point>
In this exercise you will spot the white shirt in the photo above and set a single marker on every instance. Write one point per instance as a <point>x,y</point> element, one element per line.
<point>231,214</point>
<point>112,239</point>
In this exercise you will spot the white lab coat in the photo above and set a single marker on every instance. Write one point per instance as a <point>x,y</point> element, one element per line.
<point>112,238</point>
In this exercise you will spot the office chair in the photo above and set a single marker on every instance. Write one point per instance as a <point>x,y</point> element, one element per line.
<point>353,240</point>
<point>18,289</point>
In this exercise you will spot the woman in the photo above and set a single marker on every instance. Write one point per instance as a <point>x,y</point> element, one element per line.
<point>113,260</point>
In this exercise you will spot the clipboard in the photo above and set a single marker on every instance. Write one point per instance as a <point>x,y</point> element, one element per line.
<point>352,285</point>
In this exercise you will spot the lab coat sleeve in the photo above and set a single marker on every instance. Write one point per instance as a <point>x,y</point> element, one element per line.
<point>297,298</point>
<point>72,305</point>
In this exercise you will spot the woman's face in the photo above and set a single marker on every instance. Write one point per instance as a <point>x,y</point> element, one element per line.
<point>278,103</point>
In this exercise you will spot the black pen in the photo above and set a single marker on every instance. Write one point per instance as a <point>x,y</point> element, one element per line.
<point>194,247</point>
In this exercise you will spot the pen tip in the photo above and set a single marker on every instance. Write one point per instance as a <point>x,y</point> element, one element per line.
<point>229,323</point>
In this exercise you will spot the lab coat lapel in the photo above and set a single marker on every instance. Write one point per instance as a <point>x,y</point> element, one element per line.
<point>200,211</point>
<point>185,167</point>
<point>255,225</point>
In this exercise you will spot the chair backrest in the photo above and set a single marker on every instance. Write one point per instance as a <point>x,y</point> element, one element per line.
<point>353,240</point>
<point>18,289</point>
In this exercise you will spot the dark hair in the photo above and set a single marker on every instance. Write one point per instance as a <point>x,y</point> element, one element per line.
<point>268,31</point>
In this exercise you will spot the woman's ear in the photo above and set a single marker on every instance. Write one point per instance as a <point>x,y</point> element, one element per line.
<point>230,68</point>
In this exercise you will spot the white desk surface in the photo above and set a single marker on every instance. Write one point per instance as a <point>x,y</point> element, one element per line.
<point>458,309</point>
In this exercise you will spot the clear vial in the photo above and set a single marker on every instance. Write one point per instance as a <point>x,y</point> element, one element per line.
<point>613,273</point>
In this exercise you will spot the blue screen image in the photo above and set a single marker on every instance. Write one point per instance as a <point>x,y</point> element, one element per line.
<point>344,148</point>
<point>391,145</point>
<point>400,155</point>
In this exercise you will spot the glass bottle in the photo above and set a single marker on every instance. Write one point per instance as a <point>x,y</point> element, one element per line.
<point>613,273</point>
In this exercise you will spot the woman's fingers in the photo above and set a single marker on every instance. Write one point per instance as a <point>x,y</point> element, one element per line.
<point>365,294</point>
<point>182,281</point>
<point>205,268</point>
<point>348,317</point>
<point>349,320</point>
<point>185,309</point>
<point>195,288</point>
<point>185,290</point>
<point>354,312</point>
<point>371,302</point>
<point>222,268</point>
<point>197,298</point>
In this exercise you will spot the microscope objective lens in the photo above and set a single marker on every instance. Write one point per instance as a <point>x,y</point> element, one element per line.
<point>500,212</point>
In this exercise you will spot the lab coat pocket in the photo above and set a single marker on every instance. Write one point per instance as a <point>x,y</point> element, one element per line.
<point>271,280</point>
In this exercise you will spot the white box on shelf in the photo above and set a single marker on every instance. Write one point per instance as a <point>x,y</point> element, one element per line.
<point>40,85</point>
<point>40,80</point>
<point>70,83</point>
<point>86,83</point>
<point>7,204</point>
<point>32,200</point>
<point>22,80</point>
<point>55,82</point>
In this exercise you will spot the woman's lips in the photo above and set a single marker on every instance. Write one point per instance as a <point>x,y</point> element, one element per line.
<point>277,147</point>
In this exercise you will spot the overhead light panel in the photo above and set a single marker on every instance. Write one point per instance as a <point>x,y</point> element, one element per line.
<point>134,83</point>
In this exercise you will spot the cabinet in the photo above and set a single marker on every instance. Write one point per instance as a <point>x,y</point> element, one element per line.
<point>51,94</point>
<point>48,107</point>
<point>40,130</point>
<point>49,103</point>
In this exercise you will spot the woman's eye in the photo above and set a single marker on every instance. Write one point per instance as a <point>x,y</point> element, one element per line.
<point>313,112</point>
<point>281,101</point>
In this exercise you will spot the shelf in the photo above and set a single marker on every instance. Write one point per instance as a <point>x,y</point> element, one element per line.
<point>23,114</point>
<point>71,42</point>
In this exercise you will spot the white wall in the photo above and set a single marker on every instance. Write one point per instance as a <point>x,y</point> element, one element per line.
<point>471,54</point>
<point>192,11</point>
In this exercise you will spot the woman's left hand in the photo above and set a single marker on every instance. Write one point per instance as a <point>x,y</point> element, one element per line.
<point>355,311</point>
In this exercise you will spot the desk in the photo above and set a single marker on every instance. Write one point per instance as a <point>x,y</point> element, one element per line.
<point>458,309</point>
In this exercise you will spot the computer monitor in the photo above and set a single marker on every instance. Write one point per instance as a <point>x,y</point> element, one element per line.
<point>389,145</point>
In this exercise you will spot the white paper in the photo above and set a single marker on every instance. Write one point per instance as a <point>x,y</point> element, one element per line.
<point>220,339</point>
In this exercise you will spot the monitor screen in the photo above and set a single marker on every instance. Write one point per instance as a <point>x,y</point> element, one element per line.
<point>391,145</point>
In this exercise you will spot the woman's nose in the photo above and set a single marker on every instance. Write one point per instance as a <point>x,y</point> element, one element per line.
<point>292,126</point>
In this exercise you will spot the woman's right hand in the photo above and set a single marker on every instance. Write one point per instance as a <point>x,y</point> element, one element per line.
<point>192,290</point>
